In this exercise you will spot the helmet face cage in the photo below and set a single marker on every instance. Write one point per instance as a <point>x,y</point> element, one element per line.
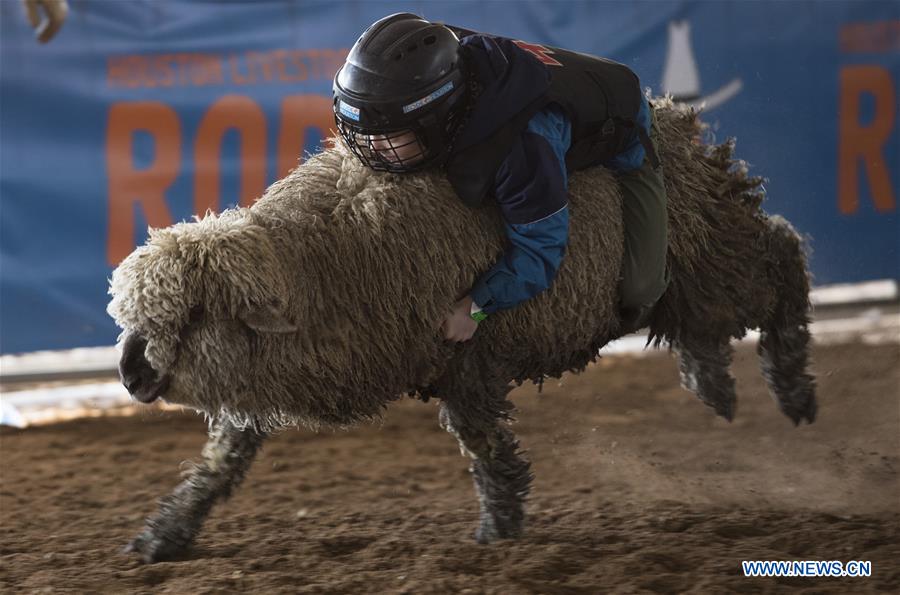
<point>415,146</point>
<point>393,151</point>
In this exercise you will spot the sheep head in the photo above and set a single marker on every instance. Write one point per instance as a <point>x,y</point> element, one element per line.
<point>191,303</point>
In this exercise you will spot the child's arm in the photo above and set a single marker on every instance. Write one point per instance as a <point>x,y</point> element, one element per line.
<point>532,193</point>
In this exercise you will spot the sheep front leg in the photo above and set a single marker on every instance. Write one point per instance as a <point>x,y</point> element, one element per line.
<point>226,458</point>
<point>502,477</point>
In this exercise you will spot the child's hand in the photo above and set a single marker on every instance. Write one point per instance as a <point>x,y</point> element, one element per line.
<point>460,326</point>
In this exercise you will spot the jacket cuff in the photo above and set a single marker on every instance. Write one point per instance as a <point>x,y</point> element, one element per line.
<point>481,295</point>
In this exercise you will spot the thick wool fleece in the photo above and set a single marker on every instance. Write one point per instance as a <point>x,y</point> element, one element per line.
<point>365,265</point>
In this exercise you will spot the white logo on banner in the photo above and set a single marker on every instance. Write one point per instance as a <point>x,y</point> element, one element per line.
<point>681,77</point>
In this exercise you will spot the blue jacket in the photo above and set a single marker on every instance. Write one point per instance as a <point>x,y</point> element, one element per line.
<point>531,189</point>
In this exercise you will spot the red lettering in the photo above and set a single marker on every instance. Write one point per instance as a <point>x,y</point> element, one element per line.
<point>865,143</point>
<point>260,60</point>
<point>298,114</point>
<point>538,51</point>
<point>245,116</point>
<point>236,77</point>
<point>297,61</point>
<point>145,187</point>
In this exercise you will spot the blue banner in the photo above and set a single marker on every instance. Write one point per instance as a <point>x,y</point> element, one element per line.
<point>144,112</point>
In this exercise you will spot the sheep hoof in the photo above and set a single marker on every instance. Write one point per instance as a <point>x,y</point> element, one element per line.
<point>491,531</point>
<point>153,549</point>
<point>804,408</point>
<point>726,409</point>
<point>486,536</point>
<point>723,403</point>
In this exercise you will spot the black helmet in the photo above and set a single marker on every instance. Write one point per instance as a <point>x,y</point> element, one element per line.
<point>399,97</point>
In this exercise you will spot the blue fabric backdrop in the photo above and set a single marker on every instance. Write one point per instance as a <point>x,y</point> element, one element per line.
<point>148,111</point>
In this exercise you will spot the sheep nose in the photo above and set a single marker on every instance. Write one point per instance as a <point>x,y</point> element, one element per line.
<point>133,361</point>
<point>132,383</point>
<point>135,372</point>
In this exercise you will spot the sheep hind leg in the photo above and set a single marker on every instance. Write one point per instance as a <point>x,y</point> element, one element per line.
<point>703,366</point>
<point>784,358</point>
<point>502,477</point>
<point>227,456</point>
<point>784,338</point>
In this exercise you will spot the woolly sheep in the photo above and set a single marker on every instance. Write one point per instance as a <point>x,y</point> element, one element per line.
<point>320,304</point>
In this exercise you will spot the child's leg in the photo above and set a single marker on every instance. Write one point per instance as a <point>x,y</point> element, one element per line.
<point>646,234</point>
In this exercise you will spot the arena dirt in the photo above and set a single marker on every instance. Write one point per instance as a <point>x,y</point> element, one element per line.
<point>639,488</point>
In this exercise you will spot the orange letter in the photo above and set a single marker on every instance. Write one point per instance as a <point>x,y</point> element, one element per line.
<point>242,114</point>
<point>128,185</point>
<point>865,142</point>
<point>298,114</point>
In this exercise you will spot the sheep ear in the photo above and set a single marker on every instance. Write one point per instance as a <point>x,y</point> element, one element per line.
<point>267,319</point>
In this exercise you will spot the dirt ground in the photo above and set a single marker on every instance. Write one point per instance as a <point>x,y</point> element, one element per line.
<point>639,488</point>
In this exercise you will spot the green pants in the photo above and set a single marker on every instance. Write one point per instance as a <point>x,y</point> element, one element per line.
<point>646,232</point>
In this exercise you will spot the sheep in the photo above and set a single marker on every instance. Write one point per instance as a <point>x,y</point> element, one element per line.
<point>321,303</point>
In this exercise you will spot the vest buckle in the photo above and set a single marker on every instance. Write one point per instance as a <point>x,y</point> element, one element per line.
<point>609,128</point>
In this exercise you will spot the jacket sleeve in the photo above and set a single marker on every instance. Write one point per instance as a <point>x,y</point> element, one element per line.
<point>531,190</point>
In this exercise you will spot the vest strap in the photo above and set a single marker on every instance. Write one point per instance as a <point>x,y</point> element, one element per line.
<point>649,149</point>
<point>648,146</point>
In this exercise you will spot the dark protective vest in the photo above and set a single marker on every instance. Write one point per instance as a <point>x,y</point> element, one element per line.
<point>600,97</point>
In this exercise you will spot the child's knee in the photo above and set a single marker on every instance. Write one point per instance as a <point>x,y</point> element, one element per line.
<point>642,289</point>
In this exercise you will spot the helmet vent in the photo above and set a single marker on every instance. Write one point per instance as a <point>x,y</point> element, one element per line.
<point>429,40</point>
